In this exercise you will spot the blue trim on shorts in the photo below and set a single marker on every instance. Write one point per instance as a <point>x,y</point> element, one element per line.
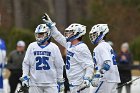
<point>99,87</point>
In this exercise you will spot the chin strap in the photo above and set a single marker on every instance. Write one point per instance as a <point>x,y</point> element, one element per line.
<point>98,39</point>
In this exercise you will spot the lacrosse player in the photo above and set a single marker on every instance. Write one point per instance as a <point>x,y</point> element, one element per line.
<point>2,62</point>
<point>79,62</point>
<point>107,75</point>
<point>43,64</point>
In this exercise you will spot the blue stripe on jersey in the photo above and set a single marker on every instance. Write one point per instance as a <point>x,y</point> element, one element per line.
<point>94,59</point>
<point>70,53</point>
<point>1,66</point>
<point>1,78</point>
<point>2,45</point>
<point>1,82</point>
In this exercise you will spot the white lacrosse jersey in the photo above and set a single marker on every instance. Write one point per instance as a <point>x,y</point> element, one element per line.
<point>43,64</point>
<point>102,52</point>
<point>79,62</point>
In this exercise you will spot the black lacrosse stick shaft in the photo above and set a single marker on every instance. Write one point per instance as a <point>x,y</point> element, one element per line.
<point>128,82</point>
<point>23,89</point>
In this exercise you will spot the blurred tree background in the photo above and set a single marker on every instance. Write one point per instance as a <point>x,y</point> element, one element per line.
<point>19,18</point>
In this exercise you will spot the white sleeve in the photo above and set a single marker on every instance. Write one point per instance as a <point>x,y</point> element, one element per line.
<point>58,36</point>
<point>59,63</point>
<point>26,63</point>
<point>104,54</point>
<point>84,58</point>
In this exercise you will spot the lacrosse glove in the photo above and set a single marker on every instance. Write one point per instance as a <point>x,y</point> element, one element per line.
<point>25,80</point>
<point>85,83</point>
<point>96,79</point>
<point>46,19</point>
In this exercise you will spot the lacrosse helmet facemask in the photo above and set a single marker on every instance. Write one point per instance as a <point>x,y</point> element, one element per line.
<point>98,32</point>
<point>42,34</point>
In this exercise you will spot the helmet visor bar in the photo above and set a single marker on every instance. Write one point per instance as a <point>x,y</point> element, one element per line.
<point>93,36</point>
<point>41,36</point>
<point>68,33</point>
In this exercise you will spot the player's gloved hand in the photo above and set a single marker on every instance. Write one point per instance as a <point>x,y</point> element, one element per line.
<point>60,83</point>
<point>96,79</point>
<point>46,19</point>
<point>23,89</point>
<point>85,84</point>
<point>25,80</point>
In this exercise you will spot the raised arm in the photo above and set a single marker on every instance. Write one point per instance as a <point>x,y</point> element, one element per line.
<point>58,36</point>
<point>55,33</point>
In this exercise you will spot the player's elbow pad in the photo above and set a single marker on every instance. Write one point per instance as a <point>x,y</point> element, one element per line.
<point>106,65</point>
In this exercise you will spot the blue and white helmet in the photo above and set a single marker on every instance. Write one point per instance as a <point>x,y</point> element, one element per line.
<point>42,33</point>
<point>74,31</point>
<point>98,32</point>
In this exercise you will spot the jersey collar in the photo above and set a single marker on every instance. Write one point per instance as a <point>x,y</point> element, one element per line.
<point>76,44</point>
<point>43,46</point>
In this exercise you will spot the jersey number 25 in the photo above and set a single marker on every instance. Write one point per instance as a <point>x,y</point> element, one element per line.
<point>42,63</point>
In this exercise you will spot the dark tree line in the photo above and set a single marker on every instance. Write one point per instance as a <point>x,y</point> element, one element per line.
<point>122,16</point>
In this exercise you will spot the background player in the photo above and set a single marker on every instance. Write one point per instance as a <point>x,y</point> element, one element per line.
<point>14,65</point>
<point>43,63</point>
<point>2,62</point>
<point>79,62</point>
<point>107,75</point>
